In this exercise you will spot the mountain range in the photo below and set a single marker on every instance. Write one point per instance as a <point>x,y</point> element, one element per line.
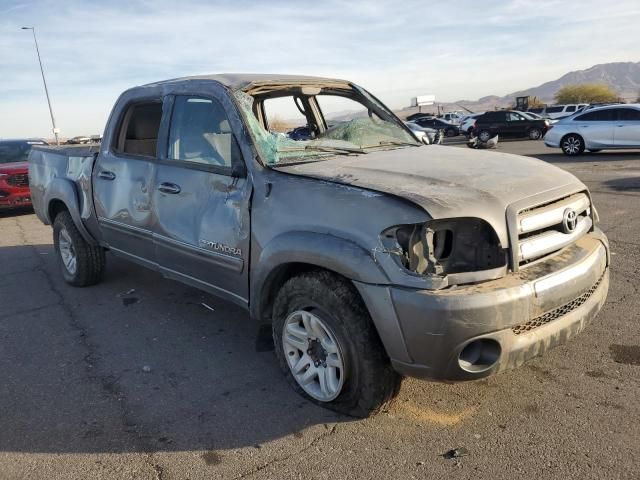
<point>622,77</point>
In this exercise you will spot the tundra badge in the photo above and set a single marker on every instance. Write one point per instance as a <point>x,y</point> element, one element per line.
<point>219,247</point>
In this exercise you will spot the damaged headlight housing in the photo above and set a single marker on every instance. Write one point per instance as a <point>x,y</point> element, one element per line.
<point>462,250</point>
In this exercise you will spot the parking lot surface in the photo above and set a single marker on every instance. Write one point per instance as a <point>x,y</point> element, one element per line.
<point>141,377</point>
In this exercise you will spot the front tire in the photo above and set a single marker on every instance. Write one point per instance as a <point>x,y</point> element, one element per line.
<point>328,347</point>
<point>572,145</point>
<point>81,263</point>
<point>450,132</point>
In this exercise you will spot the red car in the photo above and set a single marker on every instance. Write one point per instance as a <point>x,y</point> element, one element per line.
<point>14,172</point>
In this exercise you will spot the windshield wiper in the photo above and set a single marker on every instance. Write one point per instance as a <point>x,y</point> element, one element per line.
<point>324,149</point>
<point>328,148</point>
<point>399,143</point>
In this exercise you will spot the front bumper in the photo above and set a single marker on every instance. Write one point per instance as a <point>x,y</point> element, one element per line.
<point>552,138</point>
<point>525,314</point>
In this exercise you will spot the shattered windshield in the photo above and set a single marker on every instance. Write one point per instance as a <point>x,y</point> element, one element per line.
<point>301,128</point>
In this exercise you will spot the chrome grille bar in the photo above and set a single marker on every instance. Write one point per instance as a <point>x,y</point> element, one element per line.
<point>552,214</point>
<point>550,241</point>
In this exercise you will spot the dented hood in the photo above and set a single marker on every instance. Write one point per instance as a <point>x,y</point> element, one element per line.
<point>448,181</point>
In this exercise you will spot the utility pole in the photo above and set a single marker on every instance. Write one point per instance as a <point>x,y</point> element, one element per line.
<point>56,131</point>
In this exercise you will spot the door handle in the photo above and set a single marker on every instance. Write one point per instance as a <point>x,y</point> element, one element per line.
<point>106,175</point>
<point>169,188</point>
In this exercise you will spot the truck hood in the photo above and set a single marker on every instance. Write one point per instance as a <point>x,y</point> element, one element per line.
<point>13,168</point>
<point>449,181</point>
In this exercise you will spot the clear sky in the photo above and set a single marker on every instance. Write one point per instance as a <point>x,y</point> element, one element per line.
<point>92,50</point>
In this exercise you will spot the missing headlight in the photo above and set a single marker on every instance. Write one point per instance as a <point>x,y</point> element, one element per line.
<point>443,247</point>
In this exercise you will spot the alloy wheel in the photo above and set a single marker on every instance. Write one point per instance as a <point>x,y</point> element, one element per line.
<point>572,145</point>
<point>313,355</point>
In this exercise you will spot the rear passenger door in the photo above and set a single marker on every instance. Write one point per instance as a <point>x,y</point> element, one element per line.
<point>596,127</point>
<point>626,132</point>
<point>516,125</point>
<point>123,179</point>
<point>201,200</point>
<point>496,122</point>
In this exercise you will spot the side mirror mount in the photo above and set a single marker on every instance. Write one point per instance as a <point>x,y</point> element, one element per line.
<point>239,170</point>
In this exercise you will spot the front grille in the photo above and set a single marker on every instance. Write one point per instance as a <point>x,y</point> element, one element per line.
<point>556,312</point>
<point>542,229</point>
<point>18,180</point>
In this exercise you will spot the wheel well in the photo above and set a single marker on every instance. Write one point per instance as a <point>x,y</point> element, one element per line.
<point>276,279</point>
<point>56,207</point>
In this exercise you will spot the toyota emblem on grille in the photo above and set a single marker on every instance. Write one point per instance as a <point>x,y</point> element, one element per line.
<point>569,220</point>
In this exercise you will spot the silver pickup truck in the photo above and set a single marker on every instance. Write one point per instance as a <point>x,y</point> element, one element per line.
<point>372,255</point>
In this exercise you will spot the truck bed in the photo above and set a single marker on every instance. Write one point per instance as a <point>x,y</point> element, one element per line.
<point>63,173</point>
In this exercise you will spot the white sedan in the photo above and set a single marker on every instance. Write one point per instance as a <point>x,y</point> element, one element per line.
<point>614,126</point>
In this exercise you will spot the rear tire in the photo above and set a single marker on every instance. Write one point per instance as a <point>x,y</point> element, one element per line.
<point>572,145</point>
<point>362,380</point>
<point>450,132</point>
<point>535,134</point>
<point>81,263</point>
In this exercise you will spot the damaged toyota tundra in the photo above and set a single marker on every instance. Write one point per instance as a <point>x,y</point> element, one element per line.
<point>371,255</point>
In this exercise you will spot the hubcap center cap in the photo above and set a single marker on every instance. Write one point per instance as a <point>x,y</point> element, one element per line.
<point>317,353</point>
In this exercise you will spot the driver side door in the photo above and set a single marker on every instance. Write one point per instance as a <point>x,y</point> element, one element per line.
<point>201,201</point>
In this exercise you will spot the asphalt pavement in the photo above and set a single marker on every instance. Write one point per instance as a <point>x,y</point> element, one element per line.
<point>141,377</point>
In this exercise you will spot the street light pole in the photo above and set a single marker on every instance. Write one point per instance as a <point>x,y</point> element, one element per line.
<point>46,90</point>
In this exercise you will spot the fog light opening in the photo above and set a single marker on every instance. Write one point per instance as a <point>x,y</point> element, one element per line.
<point>479,355</point>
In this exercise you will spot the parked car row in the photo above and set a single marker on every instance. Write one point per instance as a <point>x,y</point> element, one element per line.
<point>84,140</point>
<point>506,123</point>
